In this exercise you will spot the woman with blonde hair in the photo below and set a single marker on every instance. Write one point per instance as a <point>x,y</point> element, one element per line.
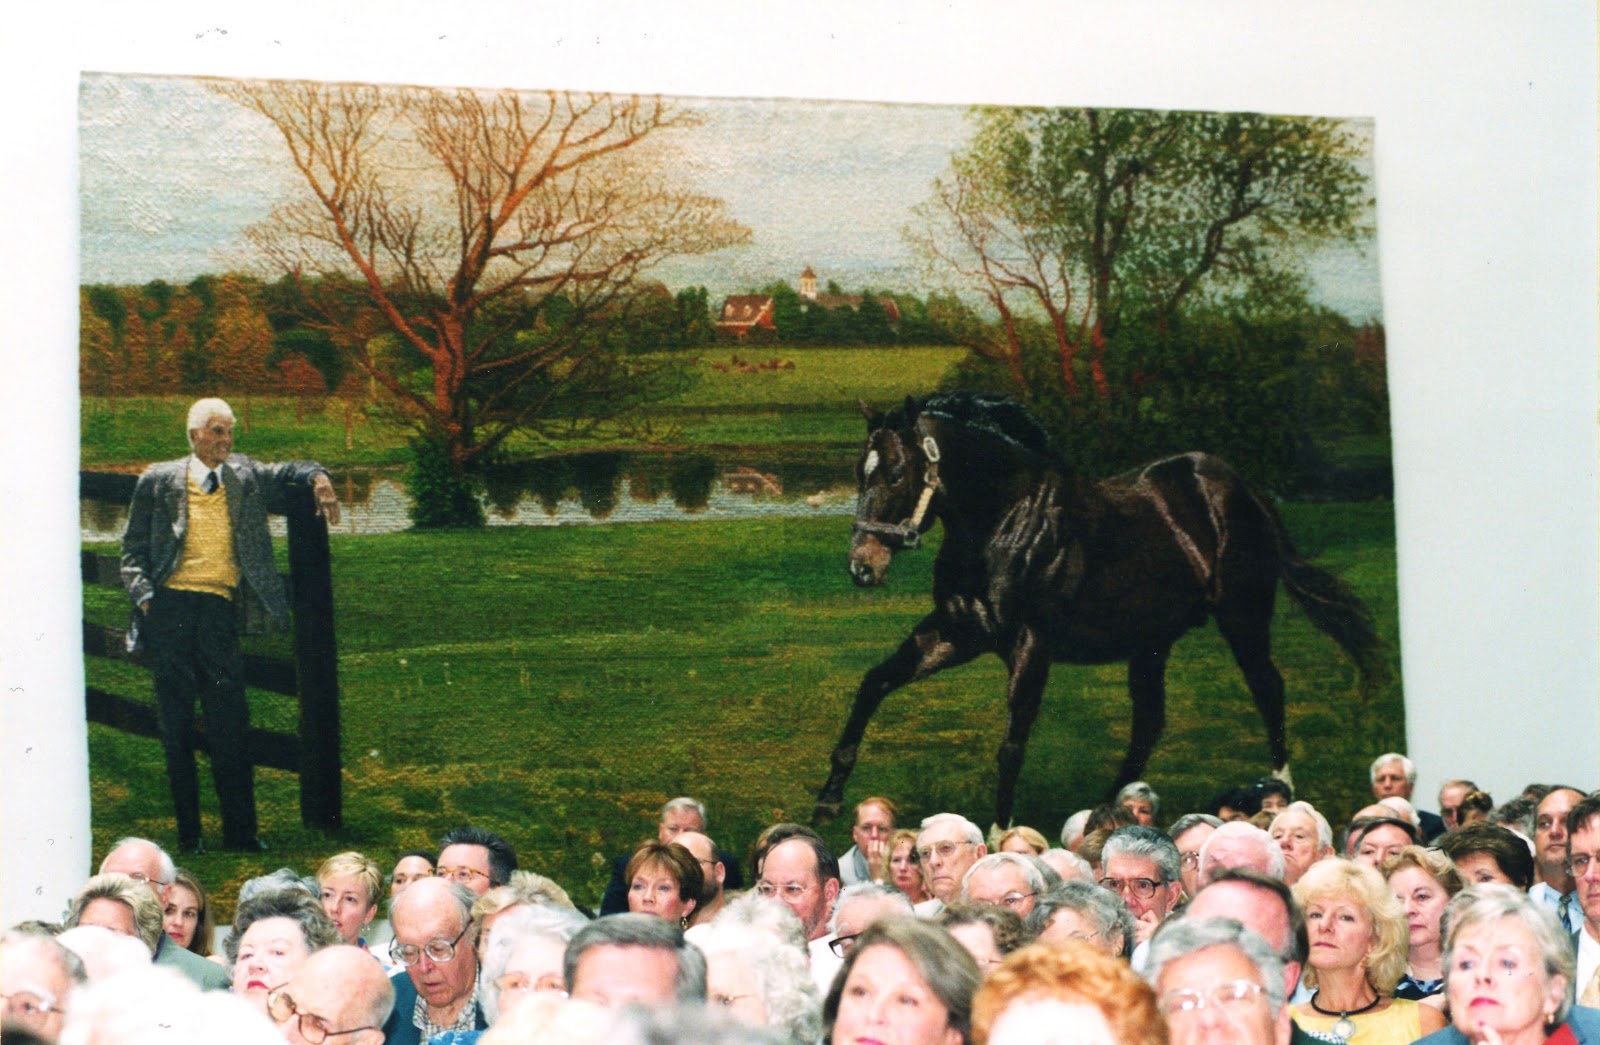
<point>349,884</point>
<point>1423,880</point>
<point>905,868</point>
<point>1024,840</point>
<point>1070,992</point>
<point>1358,938</point>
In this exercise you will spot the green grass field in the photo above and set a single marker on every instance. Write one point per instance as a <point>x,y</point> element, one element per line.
<point>812,405</point>
<point>557,685</point>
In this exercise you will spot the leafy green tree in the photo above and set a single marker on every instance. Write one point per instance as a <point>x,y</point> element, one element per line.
<point>1080,218</point>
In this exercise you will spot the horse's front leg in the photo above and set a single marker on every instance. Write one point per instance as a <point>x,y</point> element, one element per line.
<point>1030,670</point>
<point>936,643</point>
<point>1147,686</point>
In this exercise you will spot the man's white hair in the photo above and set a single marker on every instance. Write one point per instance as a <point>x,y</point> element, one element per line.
<point>956,820</point>
<point>1408,767</point>
<point>169,870</point>
<point>1405,810</point>
<point>1276,864</point>
<point>1324,829</point>
<point>1072,830</point>
<point>1030,871</point>
<point>204,410</point>
<point>892,900</point>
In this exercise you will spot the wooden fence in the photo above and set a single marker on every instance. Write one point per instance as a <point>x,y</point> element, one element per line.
<point>311,675</point>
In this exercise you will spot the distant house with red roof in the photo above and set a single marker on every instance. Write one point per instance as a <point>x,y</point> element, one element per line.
<point>743,313</point>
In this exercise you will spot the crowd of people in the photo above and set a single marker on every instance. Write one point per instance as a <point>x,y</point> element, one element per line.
<point>1262,926</point>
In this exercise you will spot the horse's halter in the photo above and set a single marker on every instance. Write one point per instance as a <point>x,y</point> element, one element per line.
<point>908,534</point>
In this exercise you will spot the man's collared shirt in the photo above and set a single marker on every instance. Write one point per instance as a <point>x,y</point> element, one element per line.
<point>1588,958</point>
<point>1545,896</point>
<point>466,1021</point>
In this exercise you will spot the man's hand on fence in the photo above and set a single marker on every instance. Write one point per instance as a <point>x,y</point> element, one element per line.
<point>327,500</point>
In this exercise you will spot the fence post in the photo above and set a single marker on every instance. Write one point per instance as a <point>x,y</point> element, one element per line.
<point>316,656</point>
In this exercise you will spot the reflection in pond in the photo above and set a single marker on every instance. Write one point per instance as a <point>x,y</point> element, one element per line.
<point>585,489</point>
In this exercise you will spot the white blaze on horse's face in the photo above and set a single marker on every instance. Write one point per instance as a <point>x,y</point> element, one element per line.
<point>870,465</point>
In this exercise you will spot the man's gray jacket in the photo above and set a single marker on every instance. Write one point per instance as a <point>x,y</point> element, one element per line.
<point>158,518</point>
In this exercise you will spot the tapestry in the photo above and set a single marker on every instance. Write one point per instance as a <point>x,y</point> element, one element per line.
<point>657,424</point>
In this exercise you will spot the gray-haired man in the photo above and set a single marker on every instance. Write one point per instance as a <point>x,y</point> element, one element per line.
<point>196,560</point>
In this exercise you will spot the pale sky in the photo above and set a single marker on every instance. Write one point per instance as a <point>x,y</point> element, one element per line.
<point>172,174</point>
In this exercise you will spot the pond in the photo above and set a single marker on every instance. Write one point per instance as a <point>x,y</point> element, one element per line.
<point>593,489</point>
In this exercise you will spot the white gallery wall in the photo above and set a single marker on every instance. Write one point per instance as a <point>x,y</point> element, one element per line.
<point>1486,175</point>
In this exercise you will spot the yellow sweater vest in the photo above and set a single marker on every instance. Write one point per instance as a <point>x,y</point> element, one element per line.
<point>207,563</point>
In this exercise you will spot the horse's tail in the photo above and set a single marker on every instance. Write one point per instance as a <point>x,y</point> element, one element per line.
<point>1334,608</point>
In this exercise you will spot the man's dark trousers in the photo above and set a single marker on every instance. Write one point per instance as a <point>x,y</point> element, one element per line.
<point>193,642</point>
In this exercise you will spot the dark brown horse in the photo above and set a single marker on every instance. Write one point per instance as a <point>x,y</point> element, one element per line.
<point>1039,566</point>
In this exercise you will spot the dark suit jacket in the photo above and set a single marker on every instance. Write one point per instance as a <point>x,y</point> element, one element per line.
<point>399,1028</point>
<point>158,519</point>
<point>1432,825</point>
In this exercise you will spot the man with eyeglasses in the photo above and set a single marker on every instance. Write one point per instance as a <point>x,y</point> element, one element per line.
<point>150,866</point>
<point>1189,832</point>
<point>1583,863</point>
<point>475,858</point>
<point>37,976</point>
<point>802,873</point>
<point>868,859</point>
<point>1141,865</point>
<point>1004,880</point>
<point>859,906</point>
<point>437,990</point>
<point>1554,889</point>
<point>1451,792</point>
<point>338,994</point>
<point>947,846</point>
<point>1218,983</point>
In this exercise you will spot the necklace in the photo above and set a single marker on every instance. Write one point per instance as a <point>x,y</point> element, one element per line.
<point>1344,1026</point>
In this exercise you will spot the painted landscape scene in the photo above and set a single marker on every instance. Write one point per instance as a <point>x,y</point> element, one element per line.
<point>588,373</point>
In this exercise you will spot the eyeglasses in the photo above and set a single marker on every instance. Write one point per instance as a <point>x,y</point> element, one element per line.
<point>840,945</point>
<point>1578,864</point>
<point>791,891</point>
<point>314,1029</point>
<point>32,1005</point>
<point>438,949</point>
<point>725,1000</point>
<point>464,875</point>
<point>1228,997</point>
<point>522,983</point>
<point>1143,888</point>
<point>1012,900</point>
<point>945,850</point>
<point>1191,858</point>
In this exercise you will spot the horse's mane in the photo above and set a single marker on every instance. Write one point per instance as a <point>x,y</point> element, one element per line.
<point>999,415</point>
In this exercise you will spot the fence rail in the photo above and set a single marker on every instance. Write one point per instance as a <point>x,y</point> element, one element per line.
<point>310,675</point>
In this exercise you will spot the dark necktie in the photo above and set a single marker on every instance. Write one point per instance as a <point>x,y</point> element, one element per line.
<point>210,485</point>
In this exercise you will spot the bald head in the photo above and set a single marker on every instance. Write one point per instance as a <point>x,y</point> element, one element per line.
<point>704,850</point>
<point>346,990</point>
<point>143,861</point>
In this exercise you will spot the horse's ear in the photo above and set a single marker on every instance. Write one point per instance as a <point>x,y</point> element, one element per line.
<point>874,419</point>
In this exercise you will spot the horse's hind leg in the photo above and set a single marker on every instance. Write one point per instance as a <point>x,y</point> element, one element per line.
<point>1030,670</point>
<point>1147,687</point>
<point>1249,635</point>
<point>926,650</point>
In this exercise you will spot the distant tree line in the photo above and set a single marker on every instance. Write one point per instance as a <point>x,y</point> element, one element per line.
<point>832,322</point>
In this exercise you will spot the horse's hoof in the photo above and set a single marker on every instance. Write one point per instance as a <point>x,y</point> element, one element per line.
<point>1282,773</point>
<point>825,811</point>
